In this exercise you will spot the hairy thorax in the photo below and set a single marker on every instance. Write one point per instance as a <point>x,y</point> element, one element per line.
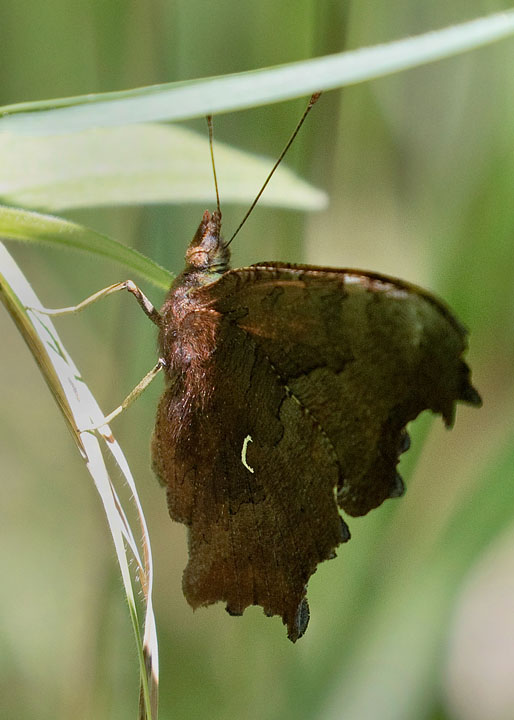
<point>187,342</point>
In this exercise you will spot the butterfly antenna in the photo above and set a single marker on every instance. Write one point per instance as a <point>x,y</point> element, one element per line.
<point>314,99</point>
<point>209,125</point>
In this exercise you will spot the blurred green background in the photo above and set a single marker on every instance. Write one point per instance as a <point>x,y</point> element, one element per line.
<point>414,619</point>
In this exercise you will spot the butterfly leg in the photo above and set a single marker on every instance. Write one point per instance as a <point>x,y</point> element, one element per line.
<point>133,395</point>
<point>132,288</point>
<point>149,311</point>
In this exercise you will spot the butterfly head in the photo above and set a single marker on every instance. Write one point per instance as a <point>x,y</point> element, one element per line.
<point>207,251</point>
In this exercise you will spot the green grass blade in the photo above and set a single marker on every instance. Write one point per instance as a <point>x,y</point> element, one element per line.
<point>135,165</point>
<point>18,313</point>
<point>178,101</point>
<point>81,410</point>
<point>28,226</point>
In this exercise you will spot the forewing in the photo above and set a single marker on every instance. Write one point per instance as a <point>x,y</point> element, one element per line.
<point>361,354</point>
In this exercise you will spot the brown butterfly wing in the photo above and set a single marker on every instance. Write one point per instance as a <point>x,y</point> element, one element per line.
<point>258,528</point>
<point>311,377</point>
<point>363,353</point>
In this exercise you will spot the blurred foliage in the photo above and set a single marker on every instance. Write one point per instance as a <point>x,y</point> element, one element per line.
<point>419,168</point>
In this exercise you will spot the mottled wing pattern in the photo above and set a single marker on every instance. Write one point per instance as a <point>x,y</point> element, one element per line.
<point>253,478</point>
<point>363,354</point>
<point>314,375</point>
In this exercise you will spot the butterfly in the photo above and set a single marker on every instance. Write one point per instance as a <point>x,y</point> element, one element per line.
<point>288,391</point>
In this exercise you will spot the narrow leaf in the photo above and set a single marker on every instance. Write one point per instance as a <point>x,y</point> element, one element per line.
<point>18,224</point>
<point>80,410</point>
<point>177,101</point>
<point>135,165</point>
